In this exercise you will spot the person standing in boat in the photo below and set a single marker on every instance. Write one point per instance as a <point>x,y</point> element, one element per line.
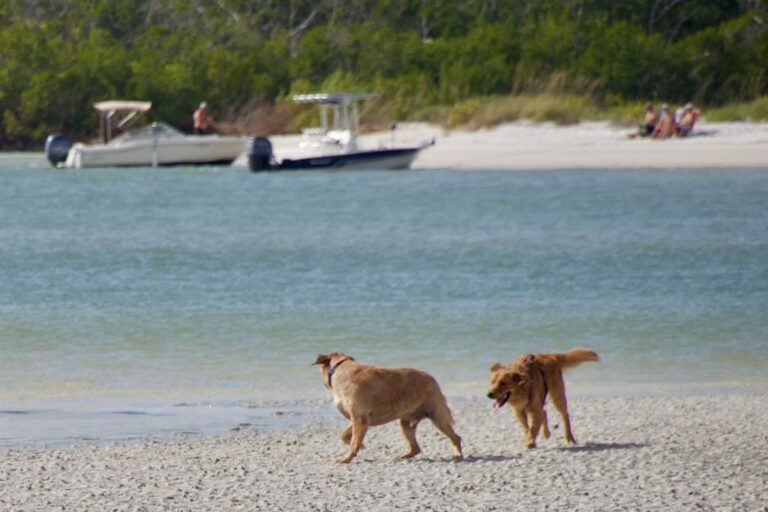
<point>202,119</point>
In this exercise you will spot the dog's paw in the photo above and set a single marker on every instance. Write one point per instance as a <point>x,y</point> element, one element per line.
<point>408,455</point>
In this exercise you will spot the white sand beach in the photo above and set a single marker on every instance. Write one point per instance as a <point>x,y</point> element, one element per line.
<point>594,145</point>
<point>694,453</point>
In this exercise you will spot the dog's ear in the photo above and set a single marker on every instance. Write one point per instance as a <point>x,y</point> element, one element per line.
<point>496,366</point>
<point>342,354</point>
<point>322,360</point>
<point>529,359</point>
<point>337,355</point>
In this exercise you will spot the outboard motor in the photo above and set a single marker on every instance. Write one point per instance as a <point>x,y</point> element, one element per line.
<point>56,148</point>
<point>260,154</point>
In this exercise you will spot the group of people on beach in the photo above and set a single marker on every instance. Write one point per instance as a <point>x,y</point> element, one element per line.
<point>665,123</point>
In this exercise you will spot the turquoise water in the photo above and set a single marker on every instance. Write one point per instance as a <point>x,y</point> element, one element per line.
<point>140,301</point>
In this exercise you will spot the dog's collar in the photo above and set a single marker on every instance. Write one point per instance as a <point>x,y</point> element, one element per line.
<point>333,368</point>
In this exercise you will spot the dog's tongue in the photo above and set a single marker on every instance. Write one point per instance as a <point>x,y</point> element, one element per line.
<point>498,403</point>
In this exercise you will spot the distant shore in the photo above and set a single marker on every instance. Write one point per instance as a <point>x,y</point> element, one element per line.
<point>691,453</point>
<point>545,146</point>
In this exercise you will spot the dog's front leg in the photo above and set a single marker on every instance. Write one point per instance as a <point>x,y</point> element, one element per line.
<point>359,428</point>
<point>522,417</point>
<point>537,419</point>
<point>409,431</point>
<point>346,435</point>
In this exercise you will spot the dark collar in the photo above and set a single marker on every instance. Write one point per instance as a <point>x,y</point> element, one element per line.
<point>333,368</point>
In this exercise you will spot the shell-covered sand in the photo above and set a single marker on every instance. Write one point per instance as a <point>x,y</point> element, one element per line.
<point>693,453</point>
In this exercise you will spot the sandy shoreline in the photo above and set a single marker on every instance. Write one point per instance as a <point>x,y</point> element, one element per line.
<point>590,145</point>
<point>692,453</point>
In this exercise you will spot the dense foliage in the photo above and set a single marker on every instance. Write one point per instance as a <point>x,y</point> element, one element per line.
<point>59,56</point>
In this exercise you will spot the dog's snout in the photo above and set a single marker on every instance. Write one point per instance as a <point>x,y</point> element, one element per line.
<point>490,394</point>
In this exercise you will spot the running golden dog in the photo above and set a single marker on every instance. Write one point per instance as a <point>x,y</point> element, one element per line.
<point>371,395</point>
<point>525,384</point>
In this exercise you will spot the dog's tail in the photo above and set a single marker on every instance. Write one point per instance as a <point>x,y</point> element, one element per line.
<point>575,357</point>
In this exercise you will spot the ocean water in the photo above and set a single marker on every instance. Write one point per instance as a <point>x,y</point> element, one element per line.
<point>145,302</point>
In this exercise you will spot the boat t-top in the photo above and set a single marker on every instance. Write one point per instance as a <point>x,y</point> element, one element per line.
<point>156,144</point>
<point>334,143</point>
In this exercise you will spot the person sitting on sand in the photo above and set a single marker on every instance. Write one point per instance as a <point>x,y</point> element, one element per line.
<point>688,119</point>
<point>665,128</point>
<point>202,120</point>
<point>650,118</point>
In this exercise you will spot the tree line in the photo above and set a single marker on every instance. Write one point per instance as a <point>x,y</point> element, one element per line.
<point>57,57</point>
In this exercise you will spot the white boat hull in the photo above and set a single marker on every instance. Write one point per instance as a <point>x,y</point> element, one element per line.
<point>184,150</point>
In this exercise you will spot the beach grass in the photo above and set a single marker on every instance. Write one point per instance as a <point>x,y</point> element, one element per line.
<point>490,111</point>
<point>484,112</point>
<point>567,109</point>
<point>754,111</point>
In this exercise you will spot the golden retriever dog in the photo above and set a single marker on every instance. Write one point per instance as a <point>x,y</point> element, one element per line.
<point>371,395</point>
<point>525,384</point>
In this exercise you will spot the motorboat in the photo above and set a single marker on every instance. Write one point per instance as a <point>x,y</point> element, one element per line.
<point>332,145</point>
<point>156,144</point>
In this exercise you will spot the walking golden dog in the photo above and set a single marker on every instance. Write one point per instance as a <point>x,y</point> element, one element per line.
<point>371,395</point>
<point>525,383</point>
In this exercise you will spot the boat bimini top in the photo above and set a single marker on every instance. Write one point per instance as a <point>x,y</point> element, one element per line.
<point>344,124</point>
<point>109,109</point>
<point>338,98</point>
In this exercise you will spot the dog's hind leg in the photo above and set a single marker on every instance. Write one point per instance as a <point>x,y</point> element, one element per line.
<point>359,428</point>
<point>443,421</point>
<point>409,431</point>
<point>560,402</point>
<point>545,425</point>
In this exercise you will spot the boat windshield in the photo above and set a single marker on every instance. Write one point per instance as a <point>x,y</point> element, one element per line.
<point>154,130</point>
